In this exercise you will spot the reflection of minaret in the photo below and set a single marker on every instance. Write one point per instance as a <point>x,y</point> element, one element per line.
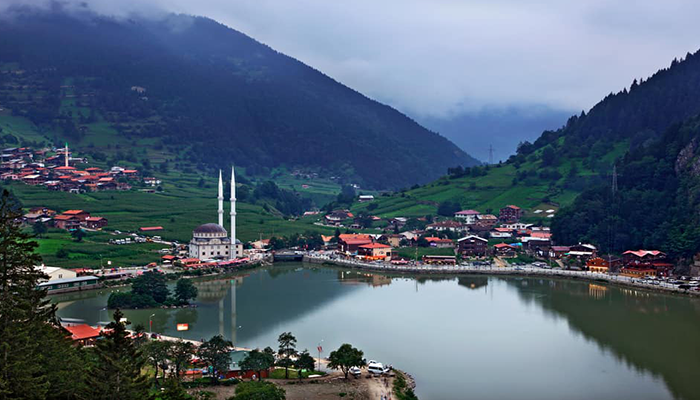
<point>233,312</point>
<point>221,317</point>
<point>221,200</point>
<point>66,154</point>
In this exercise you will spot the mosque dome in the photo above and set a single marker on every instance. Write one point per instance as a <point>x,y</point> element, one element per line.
<point>210,229</point>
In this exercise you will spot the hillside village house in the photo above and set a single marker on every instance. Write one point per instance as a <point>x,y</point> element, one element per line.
<point>602,265</point>
<point>365,198</point>
<point>67,222</point>
<point>583,251</point>
<point>517,226</point>
<point>56,273</point>
<point>393,240</point>
<point>80,214</point>
<point>501,233</point>
<point>510,214</point>
<point>472,246</point>
<point>486,221</point>
<point>558,252</point>
<point>350,243</point>
<point>504,250</point>
<point>467,216</point>
<point>337,217</point>
<point>449,225</point>
<point>95,222</point>
<point>440,243</point>
<point>375,251</point>
<point>645,263</point>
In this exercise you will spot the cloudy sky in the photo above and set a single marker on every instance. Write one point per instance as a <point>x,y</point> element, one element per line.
<point>442,58</point>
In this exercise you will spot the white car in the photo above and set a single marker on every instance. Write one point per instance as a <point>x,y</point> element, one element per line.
<point>376,368</point>
<point>355,371</point>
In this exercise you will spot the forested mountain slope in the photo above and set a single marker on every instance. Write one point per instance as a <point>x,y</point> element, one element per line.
<point>197,93</point>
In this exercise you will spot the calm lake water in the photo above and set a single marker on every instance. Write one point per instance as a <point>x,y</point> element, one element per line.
<point>469,337</point>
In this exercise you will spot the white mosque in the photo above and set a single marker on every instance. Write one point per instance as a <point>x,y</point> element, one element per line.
<point>211,241</point>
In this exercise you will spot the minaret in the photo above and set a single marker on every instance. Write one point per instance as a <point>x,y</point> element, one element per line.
<point>66,154</point>
<point>221,200</point>
<point>233,252</point>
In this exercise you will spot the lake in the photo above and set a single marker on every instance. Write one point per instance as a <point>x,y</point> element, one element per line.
<point>461,337</point>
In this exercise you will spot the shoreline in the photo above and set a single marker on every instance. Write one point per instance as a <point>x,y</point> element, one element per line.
<point>616,280</point>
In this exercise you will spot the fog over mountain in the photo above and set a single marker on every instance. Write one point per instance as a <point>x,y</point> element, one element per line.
<point>441,59</point>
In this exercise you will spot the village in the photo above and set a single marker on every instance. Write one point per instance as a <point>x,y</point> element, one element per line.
<point>56,169</point>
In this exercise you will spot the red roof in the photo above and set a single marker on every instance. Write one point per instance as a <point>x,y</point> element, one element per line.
<point>375,246</point>
<point>95,218</point>
<point>130,171</point>
<point>352,236</point>
<point>64,168</point>
<point>64,217</point>
<point>73,212</point>
<point>642,253</point>
<point>357,241</point>
<point>502,229</point>
<point>545,235</point>
<point>168,257</point>
<point>467,212</point>
<point>502,245</point>
<point>84,331</point>
<point>513,207</point>
<point>150,228</point>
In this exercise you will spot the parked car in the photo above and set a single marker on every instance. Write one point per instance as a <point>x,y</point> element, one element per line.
<point>376,368</point>
<point>355,371</point>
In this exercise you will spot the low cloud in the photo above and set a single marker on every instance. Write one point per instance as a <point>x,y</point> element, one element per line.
<point>445,57</point>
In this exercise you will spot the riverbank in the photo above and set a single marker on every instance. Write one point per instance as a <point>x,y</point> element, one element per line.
<point>529,270</point>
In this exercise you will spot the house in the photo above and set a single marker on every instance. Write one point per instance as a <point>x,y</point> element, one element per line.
<point>640,261</point>
<point>510,214</point>
<point>397,223</point>
<point>394,240</point>
<point>501,233</point>
<point>168,259</point>
<point>70,284</point>
<point>486,221</point>
<point>83,334</point>
<point>95,222</point>
<point>440,243</point>
<point>56,273</point>
<point>337,217</point>
<point>375,251</point>
<point>449,225</point>
<point>642,256</point>
<point>350,243</point>
<point>517,226</point>
<point>472,246</point>
<point>80,214</point>
<point>504,250</point>
<point>439,260</point>
<point>468,216</point>
<point>558,252</point>
<point>583,251</point>
<point>603,265</point>
<point>365,198</point>
<point>534,244</point>
<point>67,222</point>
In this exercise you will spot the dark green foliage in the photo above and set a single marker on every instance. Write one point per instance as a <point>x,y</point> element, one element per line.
<point>345,358</point>
<point>151,283</point>
<point>258,361</point>
<point>448,208</point>
<point>39,228</point>
<point>157,353</point>
<point>179,355</point>
<point>657,204</point>
<point>185,291</point>
<point>216,353</point>
<point>287,350</point>
<point>116,374</point>
<point>304,362</point>
<point>259,391</point>
<point>215,96</point>
<point>78,234</point>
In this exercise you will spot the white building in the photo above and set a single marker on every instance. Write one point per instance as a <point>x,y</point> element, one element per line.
<point>468,216</point>
<point>56,273</point>
<point>212,241</point>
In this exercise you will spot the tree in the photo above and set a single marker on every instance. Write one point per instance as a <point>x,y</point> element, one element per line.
<point>180,354</point>
<point>448,208</point>
<point>259,391</point>
<point>287,350</point>
<point>258,361</point>
<point>62,253</point>
<point>548,156</point>
<point>116,374</point>
<point>304,361</point>
<point>157,352</point>
<point>78,234</point>
<point>185,290</point>
<point>216,353</point>
<point>345,358</point>
<point>153,284</point>
<point>39,228</point>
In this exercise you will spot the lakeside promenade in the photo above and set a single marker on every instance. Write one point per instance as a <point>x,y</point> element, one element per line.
<point>470,269</point>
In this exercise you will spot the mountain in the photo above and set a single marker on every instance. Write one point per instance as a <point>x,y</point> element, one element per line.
<point>199,94</point>
<point>503,128</point>
<point>647,131</point>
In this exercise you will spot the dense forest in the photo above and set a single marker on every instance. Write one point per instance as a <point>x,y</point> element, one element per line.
<point>208,94</point>
<point>656,204</point>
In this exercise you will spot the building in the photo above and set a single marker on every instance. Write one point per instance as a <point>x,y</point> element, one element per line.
<point>394,240</point>
<point>337,217</point>
<point>637,262</point>
<point>212,241</point>
<point>472,246</point>
<point>83,334</point>
<point>602,265</point>
<point>56,273</point>
<point>365,198</point>
<point>486,221</point>
<point>510,214</point>
<point>558,252</point>
<point>375,251</point>
<point>452,226</point>
<point>439,260</point>
<point>440,243</point>
<point>70,284</point>
<point>95,222</point>
<point>67,222</point>
<point>583,251</point>
<point>350,243</point>
<point>504,250</point>
<point>80,214</point>
<point>467,216</point>
<point>501,233</point>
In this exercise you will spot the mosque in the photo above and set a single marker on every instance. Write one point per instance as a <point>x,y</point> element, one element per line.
<point>211,241</point>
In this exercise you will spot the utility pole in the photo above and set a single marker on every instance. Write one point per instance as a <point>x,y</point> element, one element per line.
<point>614,180</point>
<point>491,154</point>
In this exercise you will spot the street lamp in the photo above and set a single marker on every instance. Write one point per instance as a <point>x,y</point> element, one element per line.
<point>150,325</point>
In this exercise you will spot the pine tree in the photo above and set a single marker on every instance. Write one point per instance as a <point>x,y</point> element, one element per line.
<point>116,374</point>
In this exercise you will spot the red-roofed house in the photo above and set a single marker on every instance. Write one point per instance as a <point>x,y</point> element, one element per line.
<point>501,233</point>
<point>510,214</point>
<point>95,222</point>
<point>150,228</point>
<point>375,251</point>
<point>504,250</point>
<point>469,216</point>
<point>67,222</point>
<point>80,214</point>
<point>440,243</point>
<point>83,334</point>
